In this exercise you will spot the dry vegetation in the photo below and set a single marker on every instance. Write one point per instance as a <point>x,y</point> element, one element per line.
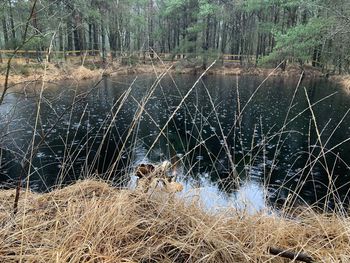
<point>54,72</point>
<point>94,222</point>
<point>21,72</point>
<point>344,81</point>
<point>71,71</point>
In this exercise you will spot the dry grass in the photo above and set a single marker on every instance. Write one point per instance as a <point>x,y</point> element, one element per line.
<point>66,71</point>
<point>343,80</point>
<point>82,72</point>
<point>35,72</point>
<point>94,222</point>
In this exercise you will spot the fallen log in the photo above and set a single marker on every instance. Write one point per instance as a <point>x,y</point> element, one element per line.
<point>285,253</point>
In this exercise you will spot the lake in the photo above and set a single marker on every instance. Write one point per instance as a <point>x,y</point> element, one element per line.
<point>227,136</point>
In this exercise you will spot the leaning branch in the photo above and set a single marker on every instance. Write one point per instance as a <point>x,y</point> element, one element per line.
<point>290,255</point>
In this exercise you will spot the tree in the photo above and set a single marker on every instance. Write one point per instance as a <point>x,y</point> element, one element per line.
<point>269,31</point>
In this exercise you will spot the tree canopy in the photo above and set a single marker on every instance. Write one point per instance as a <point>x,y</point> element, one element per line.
<point>265,31</point>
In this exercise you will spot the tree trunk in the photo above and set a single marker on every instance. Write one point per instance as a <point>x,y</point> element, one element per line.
<point>192,36</point>
<point>95,37</point>
<point>77,46</point>
<point>112,37</point>
<point>169,33</point>
<point>205,45</point>
<point>6,36</point>
<point>69,35</point>
<point>223,37</point>
<point>90,44</point>
<point>103,42</point>
<point>218,36</point>
<point>78,32</point>
<point>35,24</point>
<point>150,27</point>
<point>316,57</point>
<point>60,39</point>
<point>12,24</point>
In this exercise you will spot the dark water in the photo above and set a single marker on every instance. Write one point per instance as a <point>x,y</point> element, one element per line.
<point>216,135</point>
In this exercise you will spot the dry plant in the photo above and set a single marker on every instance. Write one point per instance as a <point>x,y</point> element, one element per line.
<point>345,81</point>
<point>91,221</point>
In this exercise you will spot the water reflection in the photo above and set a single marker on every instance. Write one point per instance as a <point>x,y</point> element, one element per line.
<point>250,197</point>
<point>213,137</point>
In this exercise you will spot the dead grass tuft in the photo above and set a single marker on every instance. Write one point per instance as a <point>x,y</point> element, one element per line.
<point>81,73</point>
<point>346,83</point>
<point>91,221</point>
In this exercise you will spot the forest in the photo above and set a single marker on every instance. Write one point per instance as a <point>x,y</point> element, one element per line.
<point>313,32</point>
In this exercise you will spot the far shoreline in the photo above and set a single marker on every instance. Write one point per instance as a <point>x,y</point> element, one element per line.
<point>56,72</point>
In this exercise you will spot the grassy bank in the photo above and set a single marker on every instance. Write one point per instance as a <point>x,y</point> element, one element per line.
<point>75,72</point>
<point>21,73</point>
<point>344,81</point>
<point>94,222</point>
